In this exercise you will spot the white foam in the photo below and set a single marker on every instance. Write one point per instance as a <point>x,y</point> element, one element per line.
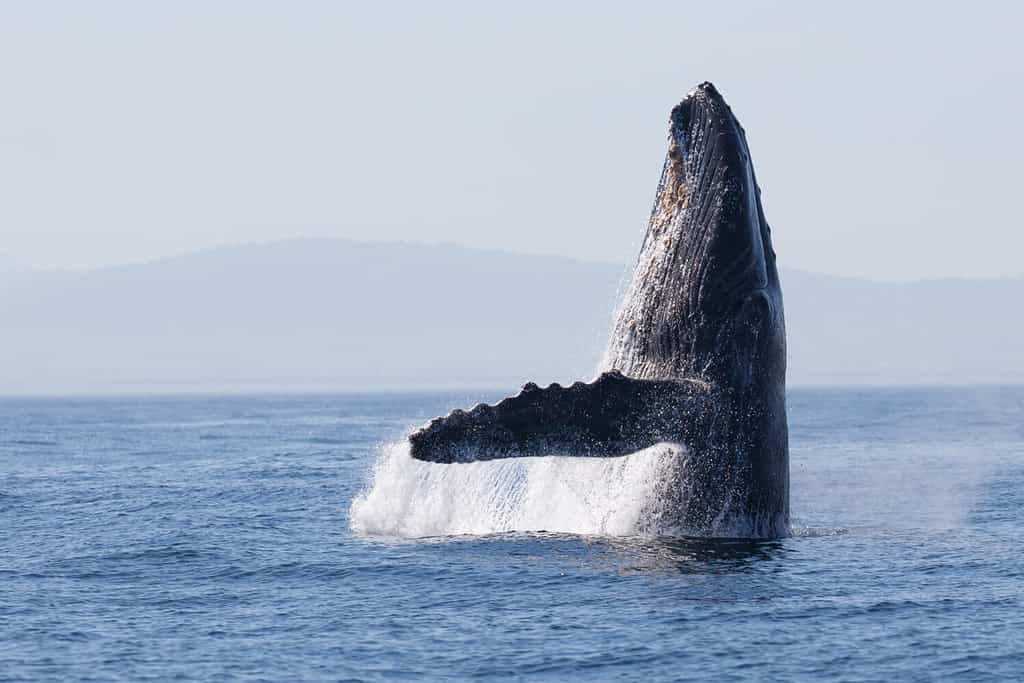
<point>414,499</point>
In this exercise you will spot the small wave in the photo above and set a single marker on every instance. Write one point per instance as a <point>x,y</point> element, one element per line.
<point>817,532</point>
<point>32,442</point>
<point>158,555</point>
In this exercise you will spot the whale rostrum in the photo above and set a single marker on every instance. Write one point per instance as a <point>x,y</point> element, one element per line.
<point>696,357</point>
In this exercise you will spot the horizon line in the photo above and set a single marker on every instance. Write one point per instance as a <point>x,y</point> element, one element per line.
<point>284,391</point>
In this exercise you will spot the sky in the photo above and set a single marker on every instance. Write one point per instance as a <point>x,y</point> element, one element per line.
<point>886,136</point>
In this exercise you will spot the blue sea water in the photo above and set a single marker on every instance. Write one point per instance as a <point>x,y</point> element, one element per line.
<point>275,538</point>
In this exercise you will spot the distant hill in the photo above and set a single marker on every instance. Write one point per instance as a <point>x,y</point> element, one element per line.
<point>334,314</point>
<point>848,331</point>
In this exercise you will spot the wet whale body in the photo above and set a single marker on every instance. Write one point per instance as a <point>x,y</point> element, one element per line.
<point>696,358</point>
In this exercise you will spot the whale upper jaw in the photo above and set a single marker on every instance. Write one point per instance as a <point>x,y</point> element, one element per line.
<point>706,258</point>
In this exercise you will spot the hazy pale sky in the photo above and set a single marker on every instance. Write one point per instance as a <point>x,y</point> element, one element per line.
<point>887,136</point>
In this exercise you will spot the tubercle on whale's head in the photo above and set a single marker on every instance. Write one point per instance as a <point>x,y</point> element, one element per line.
<point>705,299</point>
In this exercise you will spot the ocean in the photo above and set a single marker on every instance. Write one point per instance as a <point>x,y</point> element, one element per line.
<point>291,538</point>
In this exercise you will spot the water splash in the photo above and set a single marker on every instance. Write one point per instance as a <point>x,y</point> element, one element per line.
<point>608,496</point>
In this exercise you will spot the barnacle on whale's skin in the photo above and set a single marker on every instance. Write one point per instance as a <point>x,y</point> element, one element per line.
<point>696,356</point>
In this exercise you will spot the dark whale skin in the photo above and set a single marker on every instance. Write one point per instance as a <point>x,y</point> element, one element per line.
<point>614,415</point>
<point>697,354</point>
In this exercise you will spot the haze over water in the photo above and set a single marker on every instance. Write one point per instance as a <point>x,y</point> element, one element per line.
<point>214,538</point>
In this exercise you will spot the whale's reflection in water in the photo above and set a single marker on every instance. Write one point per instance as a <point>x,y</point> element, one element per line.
<point>625,555</point>
<point>691,555</point>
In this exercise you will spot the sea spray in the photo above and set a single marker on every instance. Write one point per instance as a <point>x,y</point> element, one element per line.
<point>413,499</point>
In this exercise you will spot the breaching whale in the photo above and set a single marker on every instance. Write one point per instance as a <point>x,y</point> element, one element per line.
<point>696,358</point>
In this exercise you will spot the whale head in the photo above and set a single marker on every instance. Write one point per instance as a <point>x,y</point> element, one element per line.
<point>704,301</point>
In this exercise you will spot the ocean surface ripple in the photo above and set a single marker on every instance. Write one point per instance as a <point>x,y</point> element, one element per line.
<point>244,538</point>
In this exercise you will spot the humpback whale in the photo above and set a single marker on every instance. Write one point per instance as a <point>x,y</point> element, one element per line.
<point>696,357</point>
